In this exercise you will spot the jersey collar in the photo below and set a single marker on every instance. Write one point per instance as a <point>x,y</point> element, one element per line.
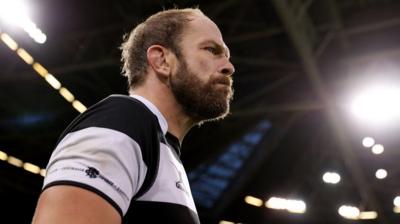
<point>161,119</point>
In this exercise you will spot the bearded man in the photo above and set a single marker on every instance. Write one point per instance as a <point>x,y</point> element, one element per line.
<point>119,160</point>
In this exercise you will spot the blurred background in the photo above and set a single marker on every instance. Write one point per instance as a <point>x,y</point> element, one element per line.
<point>313,133</point>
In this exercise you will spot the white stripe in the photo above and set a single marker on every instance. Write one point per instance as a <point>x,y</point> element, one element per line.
<point>114,154</point>
<point>165,188</point>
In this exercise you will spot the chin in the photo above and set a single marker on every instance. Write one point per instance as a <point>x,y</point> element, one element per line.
<point>215,115</point>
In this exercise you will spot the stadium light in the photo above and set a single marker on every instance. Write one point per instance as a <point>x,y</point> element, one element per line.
<point>331,178</point>
<point>253,201</point>
<point>367,215</point>
<point>42,71</point>
<point>377,104</point>
<point>353,213</point>
<point>396,201</point>
<point>378,149</point>
<point>349,212</point>
<point>368,142</point>
<point>292,206</point>
<point>381,174</point>
<point>16,12</point>
<point>396,209</point>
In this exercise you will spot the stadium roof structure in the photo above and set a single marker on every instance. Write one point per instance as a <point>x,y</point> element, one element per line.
<point>296,63</point>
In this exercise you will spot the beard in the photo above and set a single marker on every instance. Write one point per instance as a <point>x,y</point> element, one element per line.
<point>201,101</point>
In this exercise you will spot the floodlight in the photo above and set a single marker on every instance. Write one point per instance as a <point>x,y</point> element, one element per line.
<point>331,178</point>
<point>368,142</point>
<point>396,201</point>
<point>381,174</point>
<point>349,212</point>
<point>377,105</point>
<point>290,205</point>
<point>15,12</point>
<point>378,149</point>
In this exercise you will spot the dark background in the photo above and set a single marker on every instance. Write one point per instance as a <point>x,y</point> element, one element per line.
<point>296,64</point>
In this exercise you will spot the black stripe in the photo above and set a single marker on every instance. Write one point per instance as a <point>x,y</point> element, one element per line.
<point>160,212</point>
<point>131,117</point>
<point>124,114</point>
<point>87,187</point>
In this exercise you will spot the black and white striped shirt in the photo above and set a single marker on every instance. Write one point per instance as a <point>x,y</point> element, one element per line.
<point>111,147</point>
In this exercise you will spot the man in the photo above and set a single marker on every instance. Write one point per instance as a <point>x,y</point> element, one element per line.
<point>119,161</point>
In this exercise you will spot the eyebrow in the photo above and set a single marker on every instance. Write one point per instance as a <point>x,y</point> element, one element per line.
<point>222,48</point>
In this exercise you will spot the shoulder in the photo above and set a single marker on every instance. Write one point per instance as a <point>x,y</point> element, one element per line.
<point>119,108</point>
<point>120,113</point>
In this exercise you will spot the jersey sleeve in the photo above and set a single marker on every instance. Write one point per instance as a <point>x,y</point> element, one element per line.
<point>102,160</point>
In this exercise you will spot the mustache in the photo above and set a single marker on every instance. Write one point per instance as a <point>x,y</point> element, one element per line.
<point>225,80</point>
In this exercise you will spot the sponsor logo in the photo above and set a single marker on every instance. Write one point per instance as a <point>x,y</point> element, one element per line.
<point>92,172</point>
<point>179,183</point>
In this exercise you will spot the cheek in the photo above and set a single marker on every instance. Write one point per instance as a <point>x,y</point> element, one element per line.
<point>204,64</point>
<point>206,67</point>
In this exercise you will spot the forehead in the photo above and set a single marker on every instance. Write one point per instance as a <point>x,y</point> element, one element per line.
<point>201,29</point>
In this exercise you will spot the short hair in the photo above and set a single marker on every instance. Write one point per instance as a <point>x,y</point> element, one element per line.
<point>164,28</point>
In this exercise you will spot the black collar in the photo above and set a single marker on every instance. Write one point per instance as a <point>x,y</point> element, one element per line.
<point>174,142</point>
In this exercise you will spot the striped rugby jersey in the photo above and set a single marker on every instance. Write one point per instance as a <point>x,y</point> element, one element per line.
<point>120,149</point>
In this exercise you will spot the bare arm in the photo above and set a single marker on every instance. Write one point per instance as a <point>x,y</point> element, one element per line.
<point>68,204</point>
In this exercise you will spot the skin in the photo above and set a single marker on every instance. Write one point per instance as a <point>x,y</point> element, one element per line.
<point>208,57</point>
<point>163,65</point>
<point>64,204</point>
<point>202,97</point>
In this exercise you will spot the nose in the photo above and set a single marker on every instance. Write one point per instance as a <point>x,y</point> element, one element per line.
<point>227,69</point>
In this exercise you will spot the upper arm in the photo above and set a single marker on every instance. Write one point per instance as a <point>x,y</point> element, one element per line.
<point>100,161</point>
<point>68,204</point>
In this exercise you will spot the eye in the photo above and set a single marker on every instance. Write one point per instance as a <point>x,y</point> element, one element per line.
<point>212,50</point>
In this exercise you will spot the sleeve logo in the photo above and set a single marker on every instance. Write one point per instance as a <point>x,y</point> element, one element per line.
<point>92,172</point>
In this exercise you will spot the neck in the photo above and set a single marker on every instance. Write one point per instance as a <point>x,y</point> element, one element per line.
<point>179,123</point>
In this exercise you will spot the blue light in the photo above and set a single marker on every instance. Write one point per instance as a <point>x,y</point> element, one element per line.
<point>27,120</point>
<point>209,181</point>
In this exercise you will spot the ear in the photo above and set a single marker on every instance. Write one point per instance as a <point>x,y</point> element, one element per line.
<point>159,59</point>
